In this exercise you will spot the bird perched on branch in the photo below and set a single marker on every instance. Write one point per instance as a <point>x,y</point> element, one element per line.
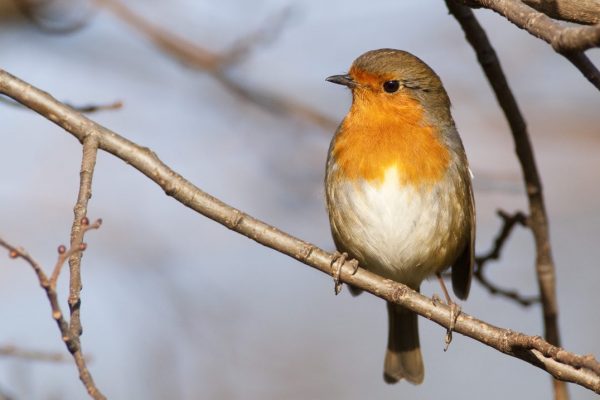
<point>398,189</point>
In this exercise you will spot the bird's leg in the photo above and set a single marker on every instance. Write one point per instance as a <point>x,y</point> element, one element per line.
<point>454,312</point>
<point>337,262</point>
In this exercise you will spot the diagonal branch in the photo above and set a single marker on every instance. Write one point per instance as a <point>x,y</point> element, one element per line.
<point>538,220</point>
<point>583,370</point>
<point>568,41</point>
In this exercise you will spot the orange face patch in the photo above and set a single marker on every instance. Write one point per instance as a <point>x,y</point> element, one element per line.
<point>383,131</point>
<point>368,79</point>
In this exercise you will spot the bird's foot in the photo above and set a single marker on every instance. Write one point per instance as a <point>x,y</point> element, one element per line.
<point>454,312</point>
<point>337,262</point>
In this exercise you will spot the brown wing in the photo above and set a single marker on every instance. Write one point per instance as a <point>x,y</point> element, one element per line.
<point>462,269</point>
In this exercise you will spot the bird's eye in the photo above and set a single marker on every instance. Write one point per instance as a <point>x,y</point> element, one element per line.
<point>391,86</point>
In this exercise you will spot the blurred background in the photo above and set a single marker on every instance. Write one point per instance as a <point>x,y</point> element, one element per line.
<point>174,306</point>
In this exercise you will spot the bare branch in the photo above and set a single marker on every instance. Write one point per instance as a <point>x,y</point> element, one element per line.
<point>562,38</point>
<point>216,64</point>
<point>244,46</point>
<point>509,222</point>
<point>88,109</point>
<point>78,229</point>
<point>538,220</point>
<point>579,11</point>
<point>534,350</point>
<point>565,40</point>
<point>34,355</point>
<point>92,108</point>
<point>586,12</point>
<point>70,341</point>
<point>583,63</point>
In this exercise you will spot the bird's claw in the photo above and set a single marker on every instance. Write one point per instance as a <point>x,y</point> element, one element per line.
<point>354,264</point>
<point>454,313</point>
<point>337,262</point>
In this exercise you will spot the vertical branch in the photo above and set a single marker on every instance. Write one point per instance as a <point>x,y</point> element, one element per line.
<point>80,222</point>
<point>538,220</point>
<point>88,162</point>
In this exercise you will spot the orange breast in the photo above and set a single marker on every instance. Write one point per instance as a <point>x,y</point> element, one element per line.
<point>378,134</point>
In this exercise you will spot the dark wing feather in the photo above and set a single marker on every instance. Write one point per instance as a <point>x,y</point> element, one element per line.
<point>462,269</point>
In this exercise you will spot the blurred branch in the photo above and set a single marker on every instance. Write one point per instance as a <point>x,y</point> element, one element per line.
<point>582,370</point>
<point>571,42</point>
<point>579,11</point>
<point>538,220</point>
<point>217,64</point>
<point>509,222</point>
<point>89,108</point>
<point>34,355</point>
<point>92,108</point>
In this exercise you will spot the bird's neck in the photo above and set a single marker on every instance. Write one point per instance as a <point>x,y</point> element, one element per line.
<point>377,135</point>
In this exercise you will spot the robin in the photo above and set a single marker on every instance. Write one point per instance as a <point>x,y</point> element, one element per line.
<point>398,189</point>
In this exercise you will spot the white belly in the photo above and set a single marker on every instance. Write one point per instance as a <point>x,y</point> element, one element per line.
<point>401,232</point>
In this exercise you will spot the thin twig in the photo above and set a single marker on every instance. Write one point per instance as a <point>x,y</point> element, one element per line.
<point>72,342</point>
<point>509,222</point>
<point>538,220</point>
<point>88,109</point>
<point>565,40</point>
<point>33,355</point>
<point>561,364</point>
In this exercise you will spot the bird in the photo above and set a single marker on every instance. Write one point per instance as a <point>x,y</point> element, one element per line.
<point>398,189</point>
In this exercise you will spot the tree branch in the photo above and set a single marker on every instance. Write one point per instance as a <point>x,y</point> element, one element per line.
<point>538,220</point>
<point>561,364</point>
<point>568,41</point>
<point>509,222</point>
<point>34,355</point>
<point>80,222</point>
<point>216,64</point>
<point>579,11</point>
<point>49,286</point>
<point>88,108</point>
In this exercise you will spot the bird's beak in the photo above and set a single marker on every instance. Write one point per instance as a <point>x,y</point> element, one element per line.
<point>345,80</point>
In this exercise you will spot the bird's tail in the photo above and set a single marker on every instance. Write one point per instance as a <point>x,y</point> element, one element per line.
<point>403,358</point>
